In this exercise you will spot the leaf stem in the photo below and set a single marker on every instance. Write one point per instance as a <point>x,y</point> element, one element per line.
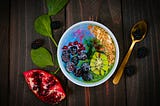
<point>56,71</point>
<point>53,41</point>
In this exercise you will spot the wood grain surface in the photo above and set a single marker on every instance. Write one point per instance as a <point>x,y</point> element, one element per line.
<point>4,53</point>
<point>17,32</point>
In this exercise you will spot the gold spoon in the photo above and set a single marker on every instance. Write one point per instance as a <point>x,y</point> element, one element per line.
<point>138,32</point>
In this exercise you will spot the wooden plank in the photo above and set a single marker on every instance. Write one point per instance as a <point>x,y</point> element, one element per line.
<point>143,87</point>
<point>22,33</point>
<point>4,54</point>
<point>109,14</point>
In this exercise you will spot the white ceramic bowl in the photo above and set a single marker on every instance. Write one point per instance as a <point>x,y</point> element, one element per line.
<point>77,32</point>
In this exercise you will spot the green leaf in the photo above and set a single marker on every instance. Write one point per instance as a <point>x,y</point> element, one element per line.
<point>41,57</point>
<point>54,6</point>
<point>42,25</point>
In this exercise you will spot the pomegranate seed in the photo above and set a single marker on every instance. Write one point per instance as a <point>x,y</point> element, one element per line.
<point>70,44</point>
<point>65,47</point>
<point>75,43</point>
<point>80,45</point>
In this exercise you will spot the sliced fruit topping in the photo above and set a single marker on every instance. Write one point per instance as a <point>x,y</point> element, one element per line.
<point>99,63</point>
<point>45,86</point>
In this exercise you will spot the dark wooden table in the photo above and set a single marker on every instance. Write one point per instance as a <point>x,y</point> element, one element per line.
<point>17,33</point>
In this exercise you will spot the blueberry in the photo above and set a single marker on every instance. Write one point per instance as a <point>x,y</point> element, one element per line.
<point>82,56</point>
<point>55,24</point>
<point>142,52</point>
<point>78,72</point>
<point>70,66</point>
<point>73,50</point>
<point>75,59</point>
<point>65,56</point>
<point>37,43</point>
<point>129,70</point>
<point>87,76</point>
<point>85,67</point>
<point>65,52</point>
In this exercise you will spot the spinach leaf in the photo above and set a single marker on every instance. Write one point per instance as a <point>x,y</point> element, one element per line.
<point>54,6</point>
<point>41,57</point>
<point>42,25</point>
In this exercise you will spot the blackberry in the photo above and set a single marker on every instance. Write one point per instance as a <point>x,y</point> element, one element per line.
<point>55,24</point>
<point>70,66</point>
<point>78,72</point>
<point>75,60</point>
<point>73,50</point>
<point>142,52</point>
<point>138,34</point>
<point>37,43</point>
<point>129,70</point>
<point>85,67</point>
<point>82,56</point>
<point>87,76</point>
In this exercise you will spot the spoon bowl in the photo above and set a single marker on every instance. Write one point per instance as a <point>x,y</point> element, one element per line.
<point>138,33</point>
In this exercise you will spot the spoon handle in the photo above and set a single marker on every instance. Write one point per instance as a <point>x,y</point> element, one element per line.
<point>122,66</point>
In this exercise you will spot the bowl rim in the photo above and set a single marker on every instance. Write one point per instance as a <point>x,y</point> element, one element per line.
<point>80,83</point>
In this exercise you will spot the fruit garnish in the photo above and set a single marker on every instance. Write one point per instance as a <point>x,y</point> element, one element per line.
<point>37,43</point>
<point>45,86</point>
<point>142,52</point>
<point>138,34</point>
<point>99,63</point>
<point>65,56</point>
<point>70,66</point>
<point>129,70</point>
<point>87,76</point>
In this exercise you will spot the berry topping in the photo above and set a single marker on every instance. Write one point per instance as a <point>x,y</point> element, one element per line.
<point>85,67</point>
<point>78,72</point>
<point>73,50</point>
<point>87,76</point>
<point>70,44</point>
<point>65,47</point>
<point>70,66</point>
<point>75,43</point>
<point>82,56</point>
<point>75,60</point>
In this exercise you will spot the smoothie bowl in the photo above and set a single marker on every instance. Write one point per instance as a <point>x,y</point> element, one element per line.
<point>88,53</point>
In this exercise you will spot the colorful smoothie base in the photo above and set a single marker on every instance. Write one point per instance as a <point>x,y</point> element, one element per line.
<point>86,58</point>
